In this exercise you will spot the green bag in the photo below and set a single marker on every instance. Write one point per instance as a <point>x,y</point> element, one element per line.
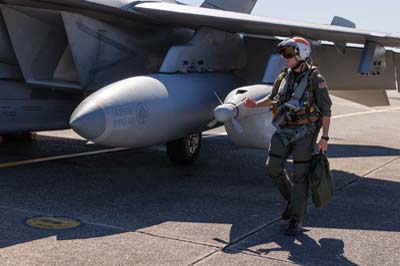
<point>323,186</point>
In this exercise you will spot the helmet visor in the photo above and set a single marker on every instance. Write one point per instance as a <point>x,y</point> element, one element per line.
<point>287,52</point>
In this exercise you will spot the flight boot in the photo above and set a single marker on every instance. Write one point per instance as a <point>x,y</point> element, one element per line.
<point>294,228</point>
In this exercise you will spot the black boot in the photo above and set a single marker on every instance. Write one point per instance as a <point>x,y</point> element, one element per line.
<point>294,228</point>
<point>287,212</point>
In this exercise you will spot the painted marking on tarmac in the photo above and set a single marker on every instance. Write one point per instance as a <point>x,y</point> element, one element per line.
<point>366,112</point>
<point>52,222</point>
<point>60,157</point>
<point>371,111</point>
<point>69,156</point>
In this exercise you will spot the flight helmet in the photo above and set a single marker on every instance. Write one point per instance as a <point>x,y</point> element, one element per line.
<point>295,47</point>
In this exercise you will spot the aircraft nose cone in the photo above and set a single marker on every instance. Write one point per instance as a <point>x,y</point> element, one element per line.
<point>225,112</point>
<point>88,120</point>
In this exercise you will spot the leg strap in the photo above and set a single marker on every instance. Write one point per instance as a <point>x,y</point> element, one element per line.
<point>302,162</point>
<point>275,155</point>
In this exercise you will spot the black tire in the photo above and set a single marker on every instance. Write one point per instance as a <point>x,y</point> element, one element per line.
<point>185,151</point>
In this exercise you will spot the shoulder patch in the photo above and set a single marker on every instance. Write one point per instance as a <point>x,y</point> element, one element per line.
<point>322,84</point>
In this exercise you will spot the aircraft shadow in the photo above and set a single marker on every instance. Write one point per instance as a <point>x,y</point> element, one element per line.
<point>17,149</point>
<point>140,190</point>
<point>345,150</point>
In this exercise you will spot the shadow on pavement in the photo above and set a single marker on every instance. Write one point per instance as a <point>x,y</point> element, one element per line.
<point>327,251</point>
<point>139,190</point>
<point>344,151</point>
<point>53,146</point>
<point>44,146</point>
<point>366,205</point>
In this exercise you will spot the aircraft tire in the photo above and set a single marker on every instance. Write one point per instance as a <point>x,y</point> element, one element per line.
<point>185,151</point>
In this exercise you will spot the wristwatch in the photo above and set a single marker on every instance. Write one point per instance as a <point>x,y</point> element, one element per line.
<point>325,138</point>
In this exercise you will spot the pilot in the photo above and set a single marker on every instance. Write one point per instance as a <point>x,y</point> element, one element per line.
<point>300,105</point>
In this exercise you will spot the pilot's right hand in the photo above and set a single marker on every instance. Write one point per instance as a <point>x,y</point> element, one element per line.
<point>249,102</point>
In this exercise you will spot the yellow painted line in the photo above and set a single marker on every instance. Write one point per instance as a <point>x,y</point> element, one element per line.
<point>60,157</point>
<point>372,111</point>
<point>76,155</point>
<point>52,222</point>
<point>366,112</point>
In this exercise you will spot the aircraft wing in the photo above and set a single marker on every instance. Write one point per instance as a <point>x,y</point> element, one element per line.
<point>93,4</point>
<point>195,17</point>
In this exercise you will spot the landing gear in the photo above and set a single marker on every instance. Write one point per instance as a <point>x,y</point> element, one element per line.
<point>185,150</point>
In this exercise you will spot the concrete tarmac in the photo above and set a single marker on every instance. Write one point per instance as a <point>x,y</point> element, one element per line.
<point>135,208</point>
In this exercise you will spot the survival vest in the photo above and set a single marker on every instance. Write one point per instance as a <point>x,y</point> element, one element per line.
<point>294,104</point>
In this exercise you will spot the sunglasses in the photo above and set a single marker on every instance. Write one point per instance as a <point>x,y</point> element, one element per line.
<point>287,52</point>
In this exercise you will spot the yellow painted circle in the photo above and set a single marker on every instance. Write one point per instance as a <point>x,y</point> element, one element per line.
<point>52,222</point>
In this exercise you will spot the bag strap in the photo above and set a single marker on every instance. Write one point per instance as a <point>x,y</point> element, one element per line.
<point>278,82</point>
<point>310,88</point>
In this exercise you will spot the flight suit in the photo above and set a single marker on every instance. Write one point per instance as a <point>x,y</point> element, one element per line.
<point>295,189</point>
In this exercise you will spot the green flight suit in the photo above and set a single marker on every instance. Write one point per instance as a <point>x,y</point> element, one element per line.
<point>295,189</point>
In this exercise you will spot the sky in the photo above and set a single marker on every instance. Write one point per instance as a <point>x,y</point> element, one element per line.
<point>367,14</point>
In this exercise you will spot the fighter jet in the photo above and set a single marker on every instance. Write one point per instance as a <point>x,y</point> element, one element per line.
<point>55,53</point>
<point>152,72</point>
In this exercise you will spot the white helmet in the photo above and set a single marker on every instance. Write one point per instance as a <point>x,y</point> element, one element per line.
<point>295,47</point>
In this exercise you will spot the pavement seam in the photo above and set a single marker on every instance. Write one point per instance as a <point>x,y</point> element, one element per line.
<point>236,241</point>
<point>254,254</point>
<point>370,171</point>
<point>253,232</point>
<point>178,239</point>
<point>380,166</point>
<point>117,228</point>
<point>362,176</point>
<point>245,254</point>
<point>219,249</point>
<point>205,257</point>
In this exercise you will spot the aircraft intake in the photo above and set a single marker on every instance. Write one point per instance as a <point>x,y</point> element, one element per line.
<point>152,109</point>
<point>248,127</point>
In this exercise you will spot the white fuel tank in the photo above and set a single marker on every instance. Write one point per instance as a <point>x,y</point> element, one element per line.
<point>154,109</point>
